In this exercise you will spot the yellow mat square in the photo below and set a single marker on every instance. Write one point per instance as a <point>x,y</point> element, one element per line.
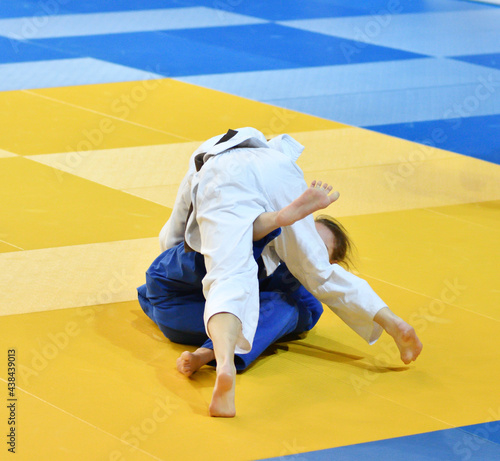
<point>187,111</point>
<point>43,207</point>
<point>32,124</point>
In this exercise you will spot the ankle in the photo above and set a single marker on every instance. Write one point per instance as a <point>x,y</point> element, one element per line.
<point>389,321</point>
<point>226,367</point>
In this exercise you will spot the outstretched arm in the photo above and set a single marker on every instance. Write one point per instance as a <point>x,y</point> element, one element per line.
<point>349,296</point>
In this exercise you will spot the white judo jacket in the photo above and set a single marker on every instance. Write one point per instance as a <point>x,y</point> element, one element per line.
<point>240,179</point>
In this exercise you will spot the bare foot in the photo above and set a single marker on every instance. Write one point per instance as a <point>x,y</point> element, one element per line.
<point>403,334</point>
<point>222,404</point>
<point>407,341</point>
<point>313,199</point>
<point>190,362</point>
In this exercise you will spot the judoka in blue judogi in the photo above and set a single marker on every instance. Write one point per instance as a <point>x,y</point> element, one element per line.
<point>173,298</point>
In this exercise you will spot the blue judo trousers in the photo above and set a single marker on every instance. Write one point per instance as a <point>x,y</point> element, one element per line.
<point>173,298</point>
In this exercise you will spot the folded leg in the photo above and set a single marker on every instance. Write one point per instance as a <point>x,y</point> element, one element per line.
<point>287,308</point>
<point>172,296</point>
<point>226,206</point>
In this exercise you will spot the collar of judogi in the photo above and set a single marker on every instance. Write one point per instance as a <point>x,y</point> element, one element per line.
<point>250,138</point>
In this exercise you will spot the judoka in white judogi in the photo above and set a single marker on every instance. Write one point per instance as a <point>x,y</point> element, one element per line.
<point>241,178</point>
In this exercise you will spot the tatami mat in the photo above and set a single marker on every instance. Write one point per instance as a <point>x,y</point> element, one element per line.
<point>95,136</point>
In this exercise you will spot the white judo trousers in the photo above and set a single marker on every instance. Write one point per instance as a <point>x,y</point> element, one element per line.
<point>239,180</point>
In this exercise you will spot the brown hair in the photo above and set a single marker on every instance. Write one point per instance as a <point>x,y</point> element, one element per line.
<point>343,247</point>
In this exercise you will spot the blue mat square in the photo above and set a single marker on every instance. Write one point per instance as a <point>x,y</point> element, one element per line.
<point>473,136</point>
<point>380,6</point>
<point>17,9</point>
<point>222,49</point>
<point>281,10</point>
<point>107,6</point>
<point>299,47</point>
<point>447,444</point>
<point>20,51</point>
<point>489,431</point>
<point>274,9</point>
<point>168,54</point>
<point>487,60</point>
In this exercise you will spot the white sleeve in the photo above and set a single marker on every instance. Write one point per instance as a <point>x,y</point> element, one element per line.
<point>172,232</point>
<point>301,248</point>
<point>350,297</point>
